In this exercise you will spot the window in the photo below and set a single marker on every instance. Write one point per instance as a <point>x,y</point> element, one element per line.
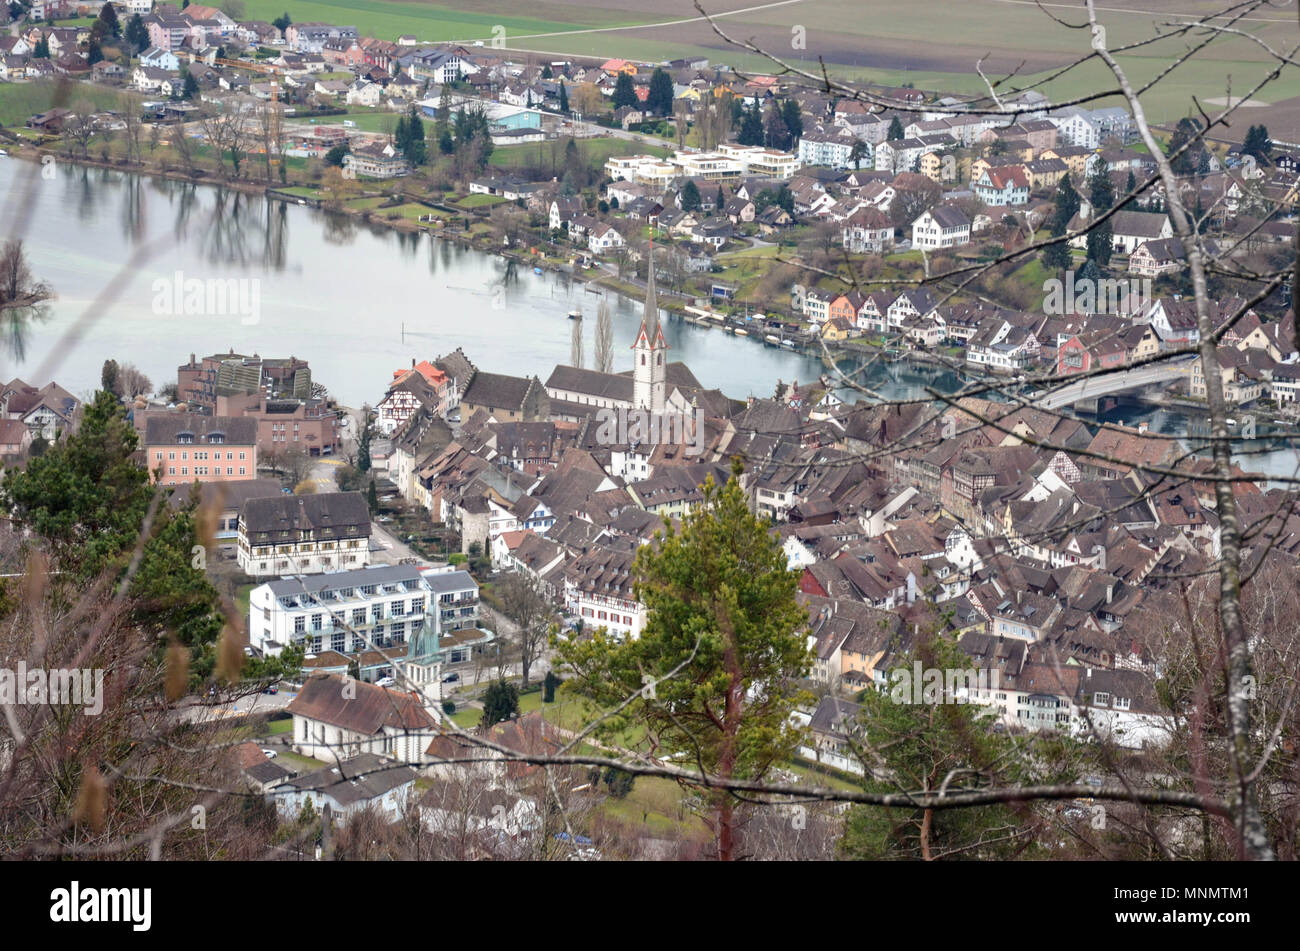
<point>316,622</point>
<point>358,615</point>
<point>337,641</point>
<point>300,624</point>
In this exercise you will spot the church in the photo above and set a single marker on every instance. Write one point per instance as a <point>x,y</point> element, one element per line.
<point>653,383</point>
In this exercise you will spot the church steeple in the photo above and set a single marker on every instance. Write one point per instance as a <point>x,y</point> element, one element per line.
<point>650,373</point>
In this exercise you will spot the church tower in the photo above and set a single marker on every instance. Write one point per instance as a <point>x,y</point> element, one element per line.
<point>650,374</point>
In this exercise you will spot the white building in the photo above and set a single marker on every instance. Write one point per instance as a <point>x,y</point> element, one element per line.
<point>349,611</point>
<point>944,226</point>
<point>303,534</point>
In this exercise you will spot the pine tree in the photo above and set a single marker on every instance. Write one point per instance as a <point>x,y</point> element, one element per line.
<point>564,98</point>
<point>895,130</point>
<point>1101,194</point>
<point>624,93</point>
<point>690,196</point>
<point>723,618</point>
<point>793,118</point>
<point>660,98</point>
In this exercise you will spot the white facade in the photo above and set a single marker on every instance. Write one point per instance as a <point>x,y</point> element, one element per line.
<point>344,611</point>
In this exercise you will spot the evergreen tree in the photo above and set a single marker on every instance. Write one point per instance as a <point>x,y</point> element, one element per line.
<point>137,34</point>
<point>191,87</point>
<point>108,17</point>
<point>895,130</point>
<point>690,196</point>
<point>372,498</point>
<point>335,156</point>
<point>723,618</point>
<point>1067,205</point>
<point>282,22</point>
<point>1258,144</point>
<point>42,49</point>
<point>1101,194</point>
<point>660,99</point>
<point>500,703</point>
<point>926,738</point>
<point>549,686</point>
<point>564,98</point>
<point>720,200</point>
<point>415,149</point>
<point>793,118</point>
<point>751,126</point>
<point>546,72</point>
<point>624,93</point>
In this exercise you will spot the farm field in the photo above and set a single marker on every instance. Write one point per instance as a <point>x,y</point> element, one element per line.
<point>869,40</point>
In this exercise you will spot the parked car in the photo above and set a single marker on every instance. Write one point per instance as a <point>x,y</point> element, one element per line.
<point>385,682</point>
<point>270,754</point>
<point>273,689</point>
<point>451,678</point>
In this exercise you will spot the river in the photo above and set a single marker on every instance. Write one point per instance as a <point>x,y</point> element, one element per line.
<point>354,299</point>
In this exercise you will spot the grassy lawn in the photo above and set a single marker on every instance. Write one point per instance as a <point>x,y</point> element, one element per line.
<point>296,761</point>
<point>366,204</point>
<point>301,191</point>
<point>654,804</point>
<point>467,717</point>
<point>20,101</point>
<point>480,201</point>
<point>278,727</point>
<point>546,154</point>
<point>241,598</point>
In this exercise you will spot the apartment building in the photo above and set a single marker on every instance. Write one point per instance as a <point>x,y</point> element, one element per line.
<point>185,447</point>
<point>303,534</point>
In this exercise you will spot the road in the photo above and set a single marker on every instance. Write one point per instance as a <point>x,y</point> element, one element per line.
<point>197,712</point>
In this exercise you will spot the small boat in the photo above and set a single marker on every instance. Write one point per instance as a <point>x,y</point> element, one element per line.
<point>741,332</point>
<point>773,339</point>
<point>537,270</point>
<point>788,344</point>
<point>575,315</point>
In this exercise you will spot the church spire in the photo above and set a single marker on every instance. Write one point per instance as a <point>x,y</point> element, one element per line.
<point>650,328</point>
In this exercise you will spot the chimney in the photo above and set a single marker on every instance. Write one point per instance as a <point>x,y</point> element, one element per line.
<point>1142,427</point>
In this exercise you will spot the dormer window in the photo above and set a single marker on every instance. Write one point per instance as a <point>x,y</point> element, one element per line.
<point>184,438</point>
<point>216,437</point>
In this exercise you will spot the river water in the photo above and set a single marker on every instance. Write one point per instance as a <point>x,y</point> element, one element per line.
<point>356,300</point>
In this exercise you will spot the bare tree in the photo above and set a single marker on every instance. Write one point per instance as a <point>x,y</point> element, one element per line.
<point>603,356</point>
<point>575,341</point>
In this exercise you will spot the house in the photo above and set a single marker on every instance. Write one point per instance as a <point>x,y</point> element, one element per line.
<point>715,231</point>
<point>14,437</point>
<point>505,398</point>
<point>180,448</point>
<point>303,534</point>
<point>604,237</point>
<point>944,226</point>
<point>336,717</point>
<point>1159,256</point>
<point>368,781</point>
<point>1134,228</point>
<point>1003,185</point>
<point>376,161</point>
<point>868,231</point>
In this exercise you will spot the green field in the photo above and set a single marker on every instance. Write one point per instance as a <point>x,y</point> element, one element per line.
<point>932,44</point>
<point>542,154</point>
<point>429,22</point>
<point>20,101</point>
